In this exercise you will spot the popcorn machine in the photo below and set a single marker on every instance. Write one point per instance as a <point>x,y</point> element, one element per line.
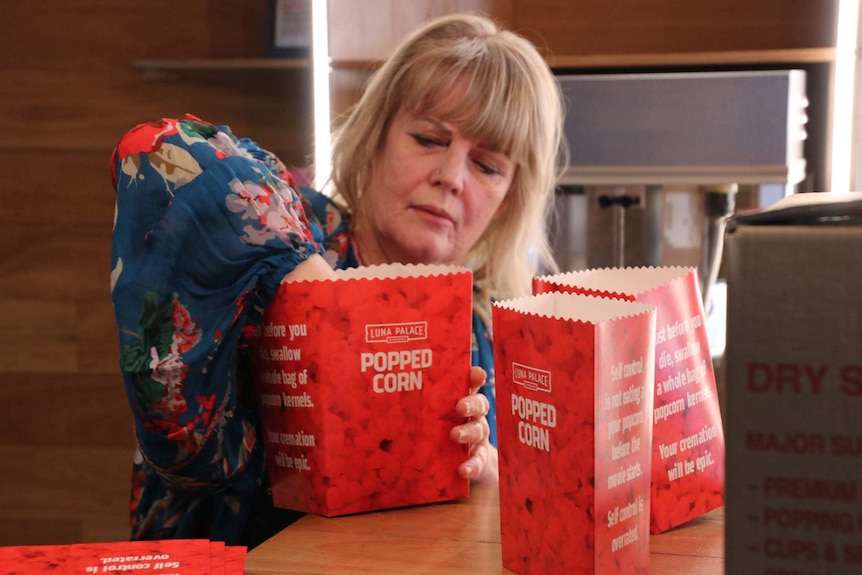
<point>657,160</point>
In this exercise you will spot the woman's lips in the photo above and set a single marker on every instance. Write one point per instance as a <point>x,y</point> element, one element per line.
<point>435,213</point>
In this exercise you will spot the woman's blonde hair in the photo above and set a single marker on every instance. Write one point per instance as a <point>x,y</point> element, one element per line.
<point>511,104</point>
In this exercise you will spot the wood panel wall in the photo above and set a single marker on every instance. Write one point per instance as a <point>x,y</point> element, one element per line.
<point>566,28</point>
<point>595,27</point>
<point>68,91</point>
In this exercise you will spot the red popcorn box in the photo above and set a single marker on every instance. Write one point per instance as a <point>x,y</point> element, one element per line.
<point>574,378</point>
<point>357,381</point>
<point>688,438</point>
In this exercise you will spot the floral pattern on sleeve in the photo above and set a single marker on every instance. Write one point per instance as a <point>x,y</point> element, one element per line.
<point>206,227</point>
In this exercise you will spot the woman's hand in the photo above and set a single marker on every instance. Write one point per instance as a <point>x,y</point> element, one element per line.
<point>482,463</point>
<point>313,268</point>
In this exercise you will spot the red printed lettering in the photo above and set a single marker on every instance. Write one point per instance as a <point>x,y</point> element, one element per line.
<point>851,380</point>
<point>785,378</point>
<point>790,549</point>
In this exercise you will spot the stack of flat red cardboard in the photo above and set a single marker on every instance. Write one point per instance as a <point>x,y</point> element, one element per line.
<point>688,438</point>
<point>574,387</point>
<point>160,557</point>
<point>357,383</point>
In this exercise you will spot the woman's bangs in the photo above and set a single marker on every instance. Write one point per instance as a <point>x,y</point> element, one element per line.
<point>432,88</point>
<point>476,99</point>
<point>495,118</point>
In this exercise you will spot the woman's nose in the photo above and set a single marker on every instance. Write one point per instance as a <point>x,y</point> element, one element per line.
<point>451,172</point>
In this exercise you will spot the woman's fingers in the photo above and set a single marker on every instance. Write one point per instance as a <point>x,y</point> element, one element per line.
<point>482,464</point>
<point>477,378</point>
<point>476,431</point>
<point>473,467</point>
<point>475,405</point>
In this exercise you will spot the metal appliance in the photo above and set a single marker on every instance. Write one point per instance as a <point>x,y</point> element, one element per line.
<point>657,161</point>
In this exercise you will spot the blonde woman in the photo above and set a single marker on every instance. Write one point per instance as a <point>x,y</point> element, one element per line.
<point>450,157</point>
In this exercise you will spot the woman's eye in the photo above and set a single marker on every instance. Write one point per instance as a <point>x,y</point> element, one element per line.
<point>486,168</point>
<point>425,141</point>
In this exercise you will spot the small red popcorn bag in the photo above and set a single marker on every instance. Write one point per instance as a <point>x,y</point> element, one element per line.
<point>574,379</point>
<point>357,382</point>
<point>688,437</point>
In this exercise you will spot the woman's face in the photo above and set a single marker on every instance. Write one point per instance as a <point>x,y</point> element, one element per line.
<point>431,195</point>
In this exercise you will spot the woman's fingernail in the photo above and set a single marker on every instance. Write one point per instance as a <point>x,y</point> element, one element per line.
<point>468,469</point>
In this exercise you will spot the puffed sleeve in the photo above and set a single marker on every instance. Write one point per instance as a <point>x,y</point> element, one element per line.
<point>206,226</point>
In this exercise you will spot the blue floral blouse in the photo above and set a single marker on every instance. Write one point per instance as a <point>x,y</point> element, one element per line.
<point>206,226</point>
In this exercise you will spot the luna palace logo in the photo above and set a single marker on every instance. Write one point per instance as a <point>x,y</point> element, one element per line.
<point>396,332</point>
<point>531,378</point>
<point>535,418</point>
<point>396,370</point>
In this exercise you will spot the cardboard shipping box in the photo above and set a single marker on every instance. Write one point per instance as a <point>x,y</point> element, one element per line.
<point>794,387</point>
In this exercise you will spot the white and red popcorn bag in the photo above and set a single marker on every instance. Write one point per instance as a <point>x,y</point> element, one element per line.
<point>357,382</point>
<point>688,451</point>
<point>574,379</point>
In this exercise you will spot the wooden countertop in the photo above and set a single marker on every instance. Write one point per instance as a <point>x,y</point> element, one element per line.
<point>450,538</point>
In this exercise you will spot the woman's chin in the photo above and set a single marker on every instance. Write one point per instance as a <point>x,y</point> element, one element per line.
<point>419,245</point>
<point>428,253</point>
